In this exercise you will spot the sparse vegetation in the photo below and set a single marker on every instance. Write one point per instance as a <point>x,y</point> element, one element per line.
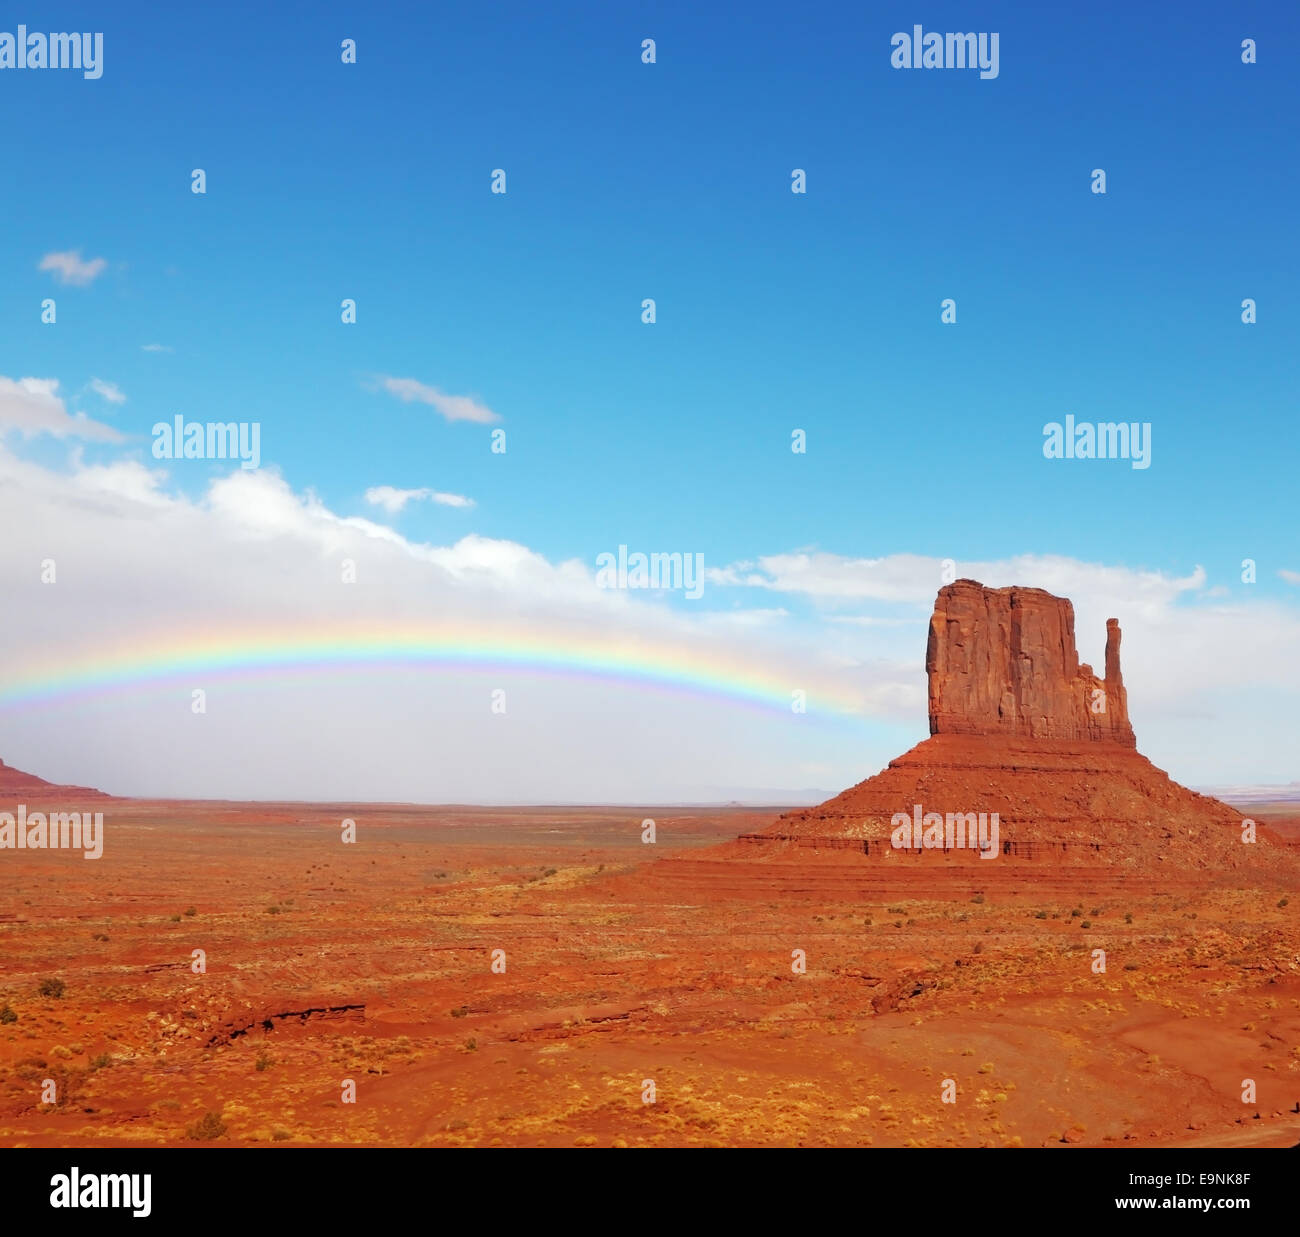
<point>7,1016</point>
<point>51,987</point>
<point>206,1128</point>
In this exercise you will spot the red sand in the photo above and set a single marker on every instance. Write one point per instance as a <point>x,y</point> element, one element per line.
<point>625,963</point>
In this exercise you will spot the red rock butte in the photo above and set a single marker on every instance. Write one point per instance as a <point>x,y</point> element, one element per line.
<point>1002,661</point>
<point>1019,727</point>
<point>17,786</point>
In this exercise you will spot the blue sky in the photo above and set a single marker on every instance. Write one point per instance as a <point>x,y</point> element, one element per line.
<point>775,311</point>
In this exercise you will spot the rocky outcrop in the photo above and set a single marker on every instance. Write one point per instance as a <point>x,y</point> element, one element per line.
<point>1016,730</point>
<point>1003,661</point>
<point>17,786</point>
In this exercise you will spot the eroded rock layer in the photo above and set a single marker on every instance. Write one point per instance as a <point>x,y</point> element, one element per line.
<point>1020,729</point>
<point>1003,661</point>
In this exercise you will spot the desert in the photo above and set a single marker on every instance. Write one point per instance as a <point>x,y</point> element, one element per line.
<point>1125,972</point>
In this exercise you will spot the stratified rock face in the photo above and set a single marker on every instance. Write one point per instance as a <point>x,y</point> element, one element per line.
<point>1014,732</point>
<point>1002,661</point>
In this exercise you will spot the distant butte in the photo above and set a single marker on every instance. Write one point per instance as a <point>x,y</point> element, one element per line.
<point>1019,727</point>
<point>17,786</point>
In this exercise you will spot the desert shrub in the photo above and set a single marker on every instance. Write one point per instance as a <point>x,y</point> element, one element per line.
<point>206,1128</point>
<point>51,987</point>
<point>190,912</point>
<point>7,1016</point>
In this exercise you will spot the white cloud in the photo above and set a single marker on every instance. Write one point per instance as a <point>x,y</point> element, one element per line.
<point>1291,577</point>
<point>451,407</point>
<point>33,406</point>
<point>394,500</point>
<point>69,267</point>
<point>822,576</point>
<point>107,390</point>
<point>126,479</point>
<point>831,579</point>
<point>156,348</point>
<point>141,565</point>
<point>450,500</point>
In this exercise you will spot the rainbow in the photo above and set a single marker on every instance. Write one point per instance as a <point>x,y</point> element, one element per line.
<point>195,658</point>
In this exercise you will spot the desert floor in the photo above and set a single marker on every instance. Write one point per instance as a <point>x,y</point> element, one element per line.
<point>626,965</point>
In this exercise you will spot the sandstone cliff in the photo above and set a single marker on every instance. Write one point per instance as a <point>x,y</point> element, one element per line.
<point>1016,730</point>
<point>1003,661</point>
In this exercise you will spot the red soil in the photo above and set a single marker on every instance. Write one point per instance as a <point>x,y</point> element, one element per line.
<point>625,963</point>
